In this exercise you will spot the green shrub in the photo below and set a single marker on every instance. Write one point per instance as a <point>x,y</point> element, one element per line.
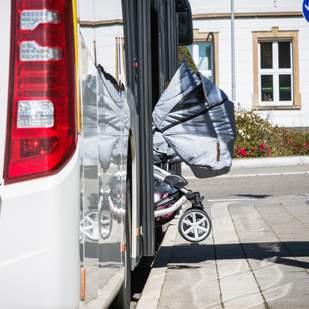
<point>184,54</point>
<point>256,137</point>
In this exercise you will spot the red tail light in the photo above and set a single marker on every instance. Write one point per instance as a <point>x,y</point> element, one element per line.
<point>41,134</point>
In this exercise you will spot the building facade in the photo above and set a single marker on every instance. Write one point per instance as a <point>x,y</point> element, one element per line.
<point>271,55</point>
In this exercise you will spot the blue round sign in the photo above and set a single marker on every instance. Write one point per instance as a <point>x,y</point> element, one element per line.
<point>306,9</point>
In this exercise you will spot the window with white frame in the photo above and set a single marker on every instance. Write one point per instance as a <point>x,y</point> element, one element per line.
<point>276,72</point>
<point>203,56</point>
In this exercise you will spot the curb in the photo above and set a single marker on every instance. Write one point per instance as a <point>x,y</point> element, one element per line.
<point>152,290</point>
<point>264,162</point>
<point>271,162</point>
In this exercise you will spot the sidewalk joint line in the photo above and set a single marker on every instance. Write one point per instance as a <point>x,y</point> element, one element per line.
<point>246,257</point>
<point>217,269</point>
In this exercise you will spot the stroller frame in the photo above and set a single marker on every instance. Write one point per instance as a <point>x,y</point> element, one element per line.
<point>194,224</point>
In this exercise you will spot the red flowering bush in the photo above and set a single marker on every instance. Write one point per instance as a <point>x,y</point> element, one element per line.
<point>241,152</point>
<point>256,137</point>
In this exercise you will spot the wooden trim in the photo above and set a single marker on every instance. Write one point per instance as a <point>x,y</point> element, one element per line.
<point>288,14</point>
<point>274,34</point>
<point>206,37</point>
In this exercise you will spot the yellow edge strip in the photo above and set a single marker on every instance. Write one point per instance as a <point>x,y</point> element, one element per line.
<point>78,107</point>
<point>82,283</point>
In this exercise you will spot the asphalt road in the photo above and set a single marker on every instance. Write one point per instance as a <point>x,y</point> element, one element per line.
<point>240,186</point>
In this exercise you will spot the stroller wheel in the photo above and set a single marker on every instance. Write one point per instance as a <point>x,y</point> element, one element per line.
<point>194,225</point>
<point>106,223</point>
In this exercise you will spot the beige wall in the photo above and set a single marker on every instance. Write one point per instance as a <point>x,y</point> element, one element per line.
<point>223,6</point>
<point>286,16</point>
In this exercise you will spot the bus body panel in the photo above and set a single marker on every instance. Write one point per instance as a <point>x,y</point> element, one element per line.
<point>5,25</point>
<point>39,221</point>
<point>104,157</point>
<point>39,237</point>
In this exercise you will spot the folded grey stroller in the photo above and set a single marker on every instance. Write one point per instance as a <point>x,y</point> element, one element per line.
<point>193,122</point>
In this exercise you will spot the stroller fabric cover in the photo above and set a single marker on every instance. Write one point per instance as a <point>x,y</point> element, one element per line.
<point>194,122</point>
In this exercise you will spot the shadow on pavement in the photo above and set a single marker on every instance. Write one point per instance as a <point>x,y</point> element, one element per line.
<point>257,196</point>
<point>275,252</point>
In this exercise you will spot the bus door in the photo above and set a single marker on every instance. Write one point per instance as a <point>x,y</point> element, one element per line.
<point>137,25</point>
<point>104,151</point>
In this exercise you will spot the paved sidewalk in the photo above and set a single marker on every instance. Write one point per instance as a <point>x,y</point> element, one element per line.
<point>256,257</point>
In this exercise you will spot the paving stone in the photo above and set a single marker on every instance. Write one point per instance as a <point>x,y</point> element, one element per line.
<point>297,248</point>
<point>227,239</point>
<point>286,220</point>
<point>228,268</point>
<point>298,211</point>
<point>283,289</point>
<point>192,254</point>
<point>229,251</point>
<point>240,291</point>
<point>192,288</point>
<point>270,208</point>
<point>248,219</point>
<point>304,219</point>
<point>291,228</point>
<point>257,237</point>
<point>289,264</point>
<point>295,236</point>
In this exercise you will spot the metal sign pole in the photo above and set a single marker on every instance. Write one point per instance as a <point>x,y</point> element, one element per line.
<point>233,51</point>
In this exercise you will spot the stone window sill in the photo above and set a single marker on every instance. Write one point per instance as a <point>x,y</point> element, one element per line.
<point>276,107</point>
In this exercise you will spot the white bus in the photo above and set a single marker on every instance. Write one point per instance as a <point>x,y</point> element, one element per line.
<point>78,83</point>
